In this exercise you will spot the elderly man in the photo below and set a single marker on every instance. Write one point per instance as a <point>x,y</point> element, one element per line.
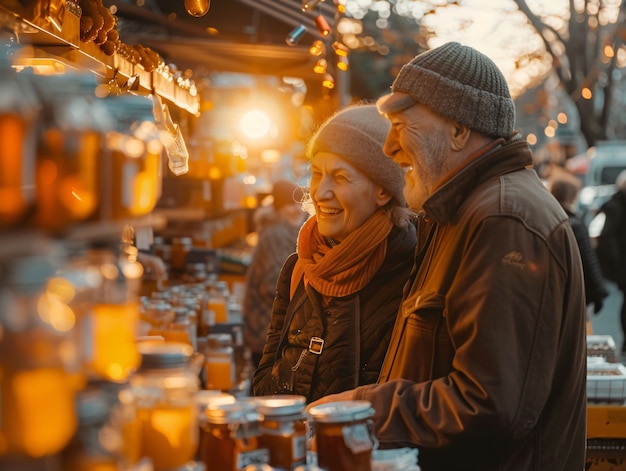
<point>486,367</point>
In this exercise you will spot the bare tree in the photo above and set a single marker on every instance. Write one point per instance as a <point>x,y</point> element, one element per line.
<point>584,57</point>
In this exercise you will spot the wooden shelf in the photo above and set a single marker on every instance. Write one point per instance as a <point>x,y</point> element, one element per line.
<point>65,46</point>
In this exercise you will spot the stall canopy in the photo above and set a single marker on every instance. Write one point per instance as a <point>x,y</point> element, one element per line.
<point>245,36</point>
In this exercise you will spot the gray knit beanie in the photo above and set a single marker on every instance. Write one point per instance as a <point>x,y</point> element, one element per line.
<point>357,134</point>
<point>457,82</point>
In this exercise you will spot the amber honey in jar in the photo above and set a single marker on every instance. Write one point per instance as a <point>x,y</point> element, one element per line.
<point>181,246</point>
<point>163,388</point>
<point>283,429</point>
<point>343,434</point>
<point>230,441</point>
<point>219,365</point>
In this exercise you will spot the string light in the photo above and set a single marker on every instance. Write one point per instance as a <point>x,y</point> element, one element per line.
<point>341,7</point>
<point>320,66</point>
<point>308,5</point>
<point>322,25</point>
<point>329,81</point>
<point>342,63</point>
<point>340,49</point>
<point>317,48</point>
<point>295,35</point>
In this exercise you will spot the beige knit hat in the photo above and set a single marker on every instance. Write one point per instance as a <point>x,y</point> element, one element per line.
<point>357,133</point>
<point>457,82</point>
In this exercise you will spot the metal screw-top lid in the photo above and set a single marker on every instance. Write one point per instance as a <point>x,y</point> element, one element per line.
<point>93,405</point>
<point>230,413</point>
<point>186,241</point>
<point>180,313</point>
<point>162,355</point>
<point>341,411</point>
<point>219,340</point>
<point>279,405</point>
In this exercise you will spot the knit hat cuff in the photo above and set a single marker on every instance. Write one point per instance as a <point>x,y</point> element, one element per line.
<point>477,109</point>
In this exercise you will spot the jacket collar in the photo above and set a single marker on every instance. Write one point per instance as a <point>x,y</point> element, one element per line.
<point>498,158</point>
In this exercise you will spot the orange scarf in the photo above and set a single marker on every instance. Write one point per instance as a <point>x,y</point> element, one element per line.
<point>347,267</point>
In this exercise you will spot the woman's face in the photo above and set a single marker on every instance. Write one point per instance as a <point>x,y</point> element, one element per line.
<point>343,197</point>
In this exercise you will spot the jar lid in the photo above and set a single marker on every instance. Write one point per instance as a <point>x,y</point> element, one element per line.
<point>231,413</point>
<point>341,411</point>
<point>219,340</point>
<point>159,355</point>
<point>279,405</point>
<point>208,397</point>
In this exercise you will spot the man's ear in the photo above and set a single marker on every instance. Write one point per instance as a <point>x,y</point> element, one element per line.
<point>382,197</point>
<point>459,135</point>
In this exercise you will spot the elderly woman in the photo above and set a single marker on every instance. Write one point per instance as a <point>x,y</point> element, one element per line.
<point>337,297</point>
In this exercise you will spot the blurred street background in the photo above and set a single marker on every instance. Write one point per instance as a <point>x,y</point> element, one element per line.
<point>606,322</point>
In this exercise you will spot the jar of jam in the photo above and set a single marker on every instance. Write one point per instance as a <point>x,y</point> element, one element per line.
<point>283,429</point>
<point>344,435</point>
<point>230,441</point>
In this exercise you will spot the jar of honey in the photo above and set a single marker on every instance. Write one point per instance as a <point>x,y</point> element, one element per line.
<point>37,388</point>
<point>219,364</point>
<point>132,182</point>
<point>69,151</point>
<point>283,429</point>
<point>231,437</point>
<point>344,435</point>
<point>107,313</point>
<point>18,121</point>
<point>181,246</point>
<point>96,444</point>
<point>164,388</point>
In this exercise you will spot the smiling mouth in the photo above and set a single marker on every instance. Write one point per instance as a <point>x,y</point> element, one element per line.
<point>329,210</point>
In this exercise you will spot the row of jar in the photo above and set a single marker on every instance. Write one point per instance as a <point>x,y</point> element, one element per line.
<point>169,423</point>
<point>160,419</point>
<point>69,156</point>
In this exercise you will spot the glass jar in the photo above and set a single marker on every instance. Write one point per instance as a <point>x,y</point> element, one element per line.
<point>18,120</point>
<point>219,366</point>
<point>37,356</point>
<point>344,435</point>
<point>283,429</point>
<point>155,316</point>
<point>96,446</point>
<point>231,437</point>
<point>133,180</point>
<point>107,308</point>
<point>217,292</point>
<point>163,389</point>
<point>179,329</point>
<point>181,246</point>
<point>69,154</point>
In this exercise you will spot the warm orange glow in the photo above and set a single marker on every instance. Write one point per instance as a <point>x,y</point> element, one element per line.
<point>37,409</point>
<point>12,129</point>
<point>113,327</point>
<point>169,435</point>
<point>586,93</point>
<point>219,373</point>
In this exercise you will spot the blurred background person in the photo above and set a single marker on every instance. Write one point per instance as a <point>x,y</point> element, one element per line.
<point>338,296</point>
<point>611,247</point>
<point>277,226</point>
<point>565,188</point>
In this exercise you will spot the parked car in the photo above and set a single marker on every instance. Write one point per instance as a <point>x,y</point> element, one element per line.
<point>606,161</point>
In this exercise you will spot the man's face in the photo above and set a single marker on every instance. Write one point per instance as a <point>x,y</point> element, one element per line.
<point>418,142</point>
